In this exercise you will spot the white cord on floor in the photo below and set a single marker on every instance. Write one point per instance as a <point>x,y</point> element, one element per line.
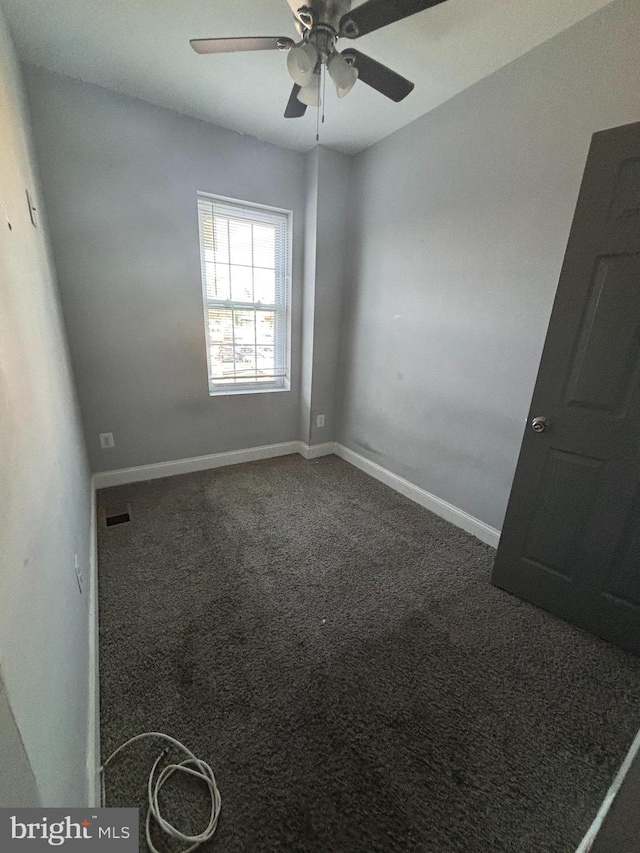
<point>191,765</point>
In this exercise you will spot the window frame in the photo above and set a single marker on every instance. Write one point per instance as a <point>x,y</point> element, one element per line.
<point>282,383</point>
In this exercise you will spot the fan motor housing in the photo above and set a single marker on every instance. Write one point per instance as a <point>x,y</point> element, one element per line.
<point>328,12</point>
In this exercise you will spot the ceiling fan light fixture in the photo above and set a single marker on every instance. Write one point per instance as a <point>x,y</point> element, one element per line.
<point>319,25</point>
<point>301,62</point>
<point>310,94</point>
<point>343,74</point>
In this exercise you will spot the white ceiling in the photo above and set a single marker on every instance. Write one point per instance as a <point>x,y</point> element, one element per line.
<point>141,48</point>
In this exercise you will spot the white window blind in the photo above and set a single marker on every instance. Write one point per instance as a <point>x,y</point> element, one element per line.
<point>244,254</point>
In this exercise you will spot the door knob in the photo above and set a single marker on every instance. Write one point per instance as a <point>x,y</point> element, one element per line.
<point>540,424</point>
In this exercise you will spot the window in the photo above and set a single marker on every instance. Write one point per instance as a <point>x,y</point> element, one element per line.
<point>244,255</point>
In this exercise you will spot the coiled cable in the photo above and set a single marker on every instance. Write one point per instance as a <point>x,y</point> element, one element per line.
<point>193,767</point>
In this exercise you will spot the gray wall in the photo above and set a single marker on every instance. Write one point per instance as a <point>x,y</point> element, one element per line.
<point>334,170</point>
<point>325,254</point>
<point>17,783</point>
<point>44,494</point>
<point>309,291</point>
<point>120,179</point>
<point>460,222</point>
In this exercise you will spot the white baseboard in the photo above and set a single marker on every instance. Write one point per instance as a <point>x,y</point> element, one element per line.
<point>445,510</point>
<point>436,505</point>
<point>314,451</point>
<point>122,476</point>
<point>93,709</point>
<point>589,841</point>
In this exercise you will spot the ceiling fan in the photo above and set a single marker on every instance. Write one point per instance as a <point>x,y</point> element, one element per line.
<point>320,23</point>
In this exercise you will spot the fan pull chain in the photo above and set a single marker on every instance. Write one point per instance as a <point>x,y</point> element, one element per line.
<point>318,109</point>
<point>324,89</point>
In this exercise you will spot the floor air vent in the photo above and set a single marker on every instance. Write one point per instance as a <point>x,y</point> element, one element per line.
<point>113,515</point>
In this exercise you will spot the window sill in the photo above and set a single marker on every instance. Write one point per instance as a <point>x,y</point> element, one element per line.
<point>237,391</point>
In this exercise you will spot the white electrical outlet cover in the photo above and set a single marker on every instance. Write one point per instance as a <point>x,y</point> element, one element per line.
<point>106,440</point>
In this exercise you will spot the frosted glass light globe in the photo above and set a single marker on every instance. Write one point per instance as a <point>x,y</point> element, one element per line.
<point>301,62</point>
<point>343,74</point>
<point>310,95</point>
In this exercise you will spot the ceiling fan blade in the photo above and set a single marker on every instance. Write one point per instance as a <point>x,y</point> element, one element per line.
<point>378,76</point>
<point>295,109</point>
<point>236,45</point>
<point>374,14</point>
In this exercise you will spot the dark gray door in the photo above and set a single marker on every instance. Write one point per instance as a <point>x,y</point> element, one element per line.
<point>571,538</point>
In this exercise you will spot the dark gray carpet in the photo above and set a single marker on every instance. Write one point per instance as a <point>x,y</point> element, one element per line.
<point>339,656</point>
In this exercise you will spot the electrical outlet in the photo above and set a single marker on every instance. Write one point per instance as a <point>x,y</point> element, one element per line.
<point>320,421</point>
<point>106,440</point>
